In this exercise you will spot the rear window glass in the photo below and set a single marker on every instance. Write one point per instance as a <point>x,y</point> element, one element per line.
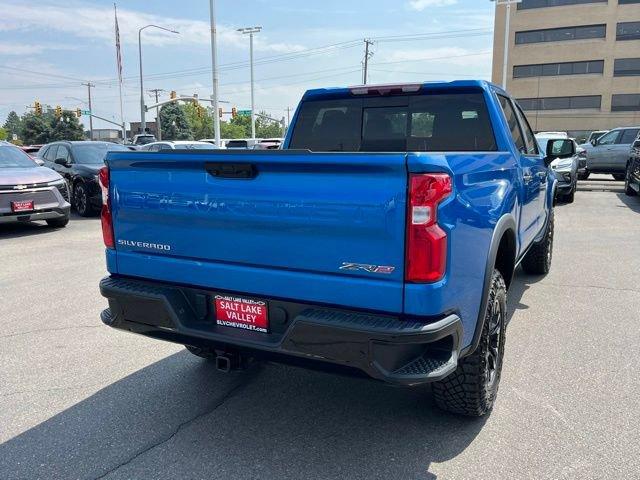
<point>415,123</point>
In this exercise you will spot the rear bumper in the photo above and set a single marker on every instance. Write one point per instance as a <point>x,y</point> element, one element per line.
<point>397,351</point>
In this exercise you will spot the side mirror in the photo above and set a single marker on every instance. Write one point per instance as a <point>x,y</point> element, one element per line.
<point>561,148</point>
<point>636,144</point>
<point>62,161</point>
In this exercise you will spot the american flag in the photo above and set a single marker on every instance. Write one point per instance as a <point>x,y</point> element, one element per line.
<point>118,53</point>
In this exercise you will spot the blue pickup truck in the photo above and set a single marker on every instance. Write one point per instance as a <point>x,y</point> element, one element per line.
<point>380,241</point>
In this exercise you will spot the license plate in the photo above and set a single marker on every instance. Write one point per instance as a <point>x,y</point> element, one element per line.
<point>22,206</point>
<point>245,313</point>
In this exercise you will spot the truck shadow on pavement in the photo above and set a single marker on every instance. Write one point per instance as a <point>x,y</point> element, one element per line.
<point>180,418</point>
<point>521,283</point>
<point>25,229</point>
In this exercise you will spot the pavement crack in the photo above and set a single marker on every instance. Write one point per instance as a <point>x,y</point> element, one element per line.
<point>182,425</point>
<point>41,330</point>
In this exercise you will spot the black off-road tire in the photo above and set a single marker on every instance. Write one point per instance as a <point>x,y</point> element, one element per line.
<point>619,176</point>
<point>206,353</point>
<point>537,261</point>
<point>472,389</point>
<point>58,222</point>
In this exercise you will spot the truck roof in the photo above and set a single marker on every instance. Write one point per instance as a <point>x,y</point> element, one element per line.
<point>404,87</point>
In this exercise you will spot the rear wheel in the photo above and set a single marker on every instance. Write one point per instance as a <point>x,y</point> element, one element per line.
<point>81,200</point>
<point>569,197</point>
<point>619,176</point>
<point>472,389</point>
<point>537,261</point>
<point>584,175</point>
<point>627,181</point>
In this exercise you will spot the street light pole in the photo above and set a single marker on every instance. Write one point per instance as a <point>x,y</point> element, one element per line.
<point>251,31</point>
<point>215,98</point>
<point>143,124</point>
<point>505,57</point>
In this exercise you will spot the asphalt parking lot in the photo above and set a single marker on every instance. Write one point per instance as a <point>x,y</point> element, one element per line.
<point>79,400</point>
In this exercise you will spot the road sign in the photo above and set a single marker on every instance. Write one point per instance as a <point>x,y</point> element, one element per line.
<point>244,113</point>
<point>86,112</point>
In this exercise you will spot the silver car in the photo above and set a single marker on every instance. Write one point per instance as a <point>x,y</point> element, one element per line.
<point>610,153</point>
<point>29,192</point>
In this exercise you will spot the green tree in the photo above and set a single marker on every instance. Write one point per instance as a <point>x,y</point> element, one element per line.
<point>34,129</point>
<point>232,130</point>
<point>241,125</point>
<point>268,128</point>
<point>174,123</point>
<point>66,127</point>
<point>199,119</point>
<point>3,134</point>
<point>13,124</point>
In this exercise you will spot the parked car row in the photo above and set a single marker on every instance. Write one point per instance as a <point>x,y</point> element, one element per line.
<point>615,152</point>
<point>78,163</point>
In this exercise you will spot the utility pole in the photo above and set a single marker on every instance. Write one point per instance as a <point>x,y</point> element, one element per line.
<point>157,91</point>
<point>251,31</point>
<point>143,124</point>
<point>288,117</point>
<point>505,57</point>
<point>215,100</point>
<point>89,85</point>
<point>367,56</point>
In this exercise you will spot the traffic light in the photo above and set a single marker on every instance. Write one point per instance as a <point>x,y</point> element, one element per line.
<point>58,111</point>
<point>173,95</point>
<point>78,112</point>
<point>200,111</point>
<point>220,112</point>
<point>37,107</point>
<point>234,112</point>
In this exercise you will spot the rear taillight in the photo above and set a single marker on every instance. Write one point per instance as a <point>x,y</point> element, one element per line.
<point>105,215</point>
<point>426,259</point>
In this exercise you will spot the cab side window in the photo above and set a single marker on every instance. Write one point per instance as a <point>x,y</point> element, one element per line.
<point>529,138</point>
<point>512,121</point>
<point>610,138</point>
<point>51,153</point>
<point>628,136</point>
<point>63,152</point>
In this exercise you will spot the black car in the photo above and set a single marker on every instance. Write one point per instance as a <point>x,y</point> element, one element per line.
<point>79,163</point>
<point>632,175</point>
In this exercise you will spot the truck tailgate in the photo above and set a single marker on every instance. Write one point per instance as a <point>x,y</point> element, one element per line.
<point>316,227</point>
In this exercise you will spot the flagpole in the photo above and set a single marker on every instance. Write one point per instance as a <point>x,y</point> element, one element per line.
<point>119,68</point>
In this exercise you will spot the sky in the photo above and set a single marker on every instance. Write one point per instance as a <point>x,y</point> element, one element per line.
<point>48,48</point>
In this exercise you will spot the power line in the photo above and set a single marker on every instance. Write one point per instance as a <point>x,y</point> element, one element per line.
<point>310,52</point>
